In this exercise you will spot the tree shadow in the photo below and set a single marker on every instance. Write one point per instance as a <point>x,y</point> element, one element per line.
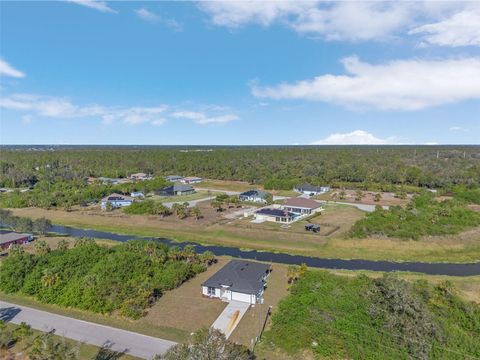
<point>7,314</point>
<point>106,352</point>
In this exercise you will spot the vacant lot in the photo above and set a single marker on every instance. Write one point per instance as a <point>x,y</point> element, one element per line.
<point>182,198</point>
<point>387,198</point>
<point>226,185</point>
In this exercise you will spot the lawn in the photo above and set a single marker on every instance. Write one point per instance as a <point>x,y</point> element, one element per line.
<point>463,247</point>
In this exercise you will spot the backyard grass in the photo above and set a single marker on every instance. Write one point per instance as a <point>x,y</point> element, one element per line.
<point>464,247</point>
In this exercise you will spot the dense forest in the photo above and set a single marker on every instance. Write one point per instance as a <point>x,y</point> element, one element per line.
<point>274,167</point>
<point>338,317</point>
<point>128,277</point>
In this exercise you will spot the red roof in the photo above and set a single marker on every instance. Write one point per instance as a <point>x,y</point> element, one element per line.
<point>302,202</point>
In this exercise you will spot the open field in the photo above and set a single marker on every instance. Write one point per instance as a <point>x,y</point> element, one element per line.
<point>387,198</point>
<point>464,247</point>
<point>182,198</point>
<point>226,185</point>
<point>86,352</point>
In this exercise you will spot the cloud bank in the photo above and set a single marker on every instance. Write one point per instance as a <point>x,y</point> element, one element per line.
<point>8,70</point>
<point>397,85</point>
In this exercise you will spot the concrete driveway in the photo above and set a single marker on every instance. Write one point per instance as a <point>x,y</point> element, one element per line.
<point>363,207</point>
<point>135,344</point>
<point>230,317</point>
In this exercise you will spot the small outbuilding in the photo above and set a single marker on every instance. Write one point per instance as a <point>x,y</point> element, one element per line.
<point>239,280</point>
<point>173,178</point>
<point>11,238</point>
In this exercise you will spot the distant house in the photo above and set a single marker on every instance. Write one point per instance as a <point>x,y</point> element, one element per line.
<point>137,194</point>
<point>275,215</point>
<point>116,200</point>
<point>191,180</point>
<point>176,189</point>
<point>173,178</point>
<point>10,238</point>
<point>239,280</point>
<point>257,196</point>
<point>140,177</point>
<point>311,190</point>
<point>301,206</point>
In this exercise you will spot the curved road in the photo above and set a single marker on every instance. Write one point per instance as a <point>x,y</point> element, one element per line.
<point>120,340</point>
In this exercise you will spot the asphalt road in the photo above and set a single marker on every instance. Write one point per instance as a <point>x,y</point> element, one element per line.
<point>135,344</point>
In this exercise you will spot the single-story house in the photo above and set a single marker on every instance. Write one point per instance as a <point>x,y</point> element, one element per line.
<point>116,200</point>
<point>191,180</point>
<point>257,196</point>
<point>239,280</point>
<point>311,189</point>
<point>176,189</point>
<point>301,206</point>
<point>173,178</point>
<point>140,176</point>
<point>137,194</point>
<point>10,238</point>
<point>275,215</point>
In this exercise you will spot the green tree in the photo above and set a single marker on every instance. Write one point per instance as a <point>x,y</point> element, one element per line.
<point>207,344</point>
<point>42,225</point>
<point>62,245</point>
<point>50,277</point>
<point>196,212</point>
<point>15,250</point>
<point>47,347</point>
<point>377,197</point>
<point>41,247</point>
<point>359,195</point>
<point>269,198</point>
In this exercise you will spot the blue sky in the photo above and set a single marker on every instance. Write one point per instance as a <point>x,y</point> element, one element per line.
<point>164,73</point>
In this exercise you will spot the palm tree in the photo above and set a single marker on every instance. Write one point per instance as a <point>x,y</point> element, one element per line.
<point>49,278</point>
<point>196,212</point>
<point>41,247</point>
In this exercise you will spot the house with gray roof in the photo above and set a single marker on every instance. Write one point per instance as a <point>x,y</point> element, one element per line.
<point>176,189</point>
<point>257,196</point>
<point>239,280</point>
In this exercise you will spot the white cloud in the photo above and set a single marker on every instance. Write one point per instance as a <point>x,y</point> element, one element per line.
<point>455,128</point>
<point>357,137</point>
<point>63,108</point>
<point>148,15</point>
<point>351,20</point>
<point>93,4</point>
<point>204,119</point>
<point>398,85</point>
<point>8,70</point>
<point>461,29</point>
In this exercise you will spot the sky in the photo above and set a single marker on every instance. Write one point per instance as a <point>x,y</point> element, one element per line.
<point>239,73</point>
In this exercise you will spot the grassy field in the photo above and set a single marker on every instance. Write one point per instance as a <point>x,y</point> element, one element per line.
<point>226,185</point>
<point>464,247</point>
<point>182,198</point>
<point>86,352</point>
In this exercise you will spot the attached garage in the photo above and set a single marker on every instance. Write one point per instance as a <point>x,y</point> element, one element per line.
<point>239,280</point>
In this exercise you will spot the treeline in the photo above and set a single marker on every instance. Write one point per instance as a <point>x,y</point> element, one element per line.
<point>24,224</point>
<point>424,215</point>
<point>127,278</point>
<point>339,317</point>
<point>275,167</point>
<point>67,193</point>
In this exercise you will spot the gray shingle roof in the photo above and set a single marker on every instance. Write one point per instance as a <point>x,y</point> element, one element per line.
<point>240,276</point>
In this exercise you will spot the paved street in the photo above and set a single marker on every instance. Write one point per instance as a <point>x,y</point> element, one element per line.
<point>135,344</point>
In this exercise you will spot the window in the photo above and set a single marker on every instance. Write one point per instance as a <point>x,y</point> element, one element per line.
<point>211,291</point>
